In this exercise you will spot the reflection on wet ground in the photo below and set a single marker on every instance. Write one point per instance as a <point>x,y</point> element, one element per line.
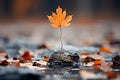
<point>61,74</point>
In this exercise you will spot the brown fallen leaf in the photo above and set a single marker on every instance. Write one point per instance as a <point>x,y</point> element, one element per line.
<point>25,57</point>
<point>4,63</point>
<point>111,75</point>
<point>15,63</point>
<point>103,65</point>
<point>46,58</point>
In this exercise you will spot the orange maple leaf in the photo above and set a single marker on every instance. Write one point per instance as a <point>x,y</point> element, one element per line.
<point>59,19</point>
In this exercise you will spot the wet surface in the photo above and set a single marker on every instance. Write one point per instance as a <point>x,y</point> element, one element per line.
<point>82,39</point>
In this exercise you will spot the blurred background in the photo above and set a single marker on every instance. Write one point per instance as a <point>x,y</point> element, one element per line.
<point>93,20</point>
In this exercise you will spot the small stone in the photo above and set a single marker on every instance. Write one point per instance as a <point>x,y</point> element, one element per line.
<point>15,58</point>
<point>36,64</point>
<point>6,56</point>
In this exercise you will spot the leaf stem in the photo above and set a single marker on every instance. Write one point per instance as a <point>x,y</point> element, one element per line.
<point>61,38</point>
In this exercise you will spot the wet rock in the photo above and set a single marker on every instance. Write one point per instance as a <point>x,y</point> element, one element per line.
<point>116,62</point>
<point>36,64</point>
<point>64,59</point>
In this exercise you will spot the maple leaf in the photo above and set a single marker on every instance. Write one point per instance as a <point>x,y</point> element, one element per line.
<point>59,19</point>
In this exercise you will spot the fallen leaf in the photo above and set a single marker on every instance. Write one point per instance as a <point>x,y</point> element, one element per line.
<point>26,57</point>
<point>105,49</point>
<point>103,65</point>
<point>97,63</point>
<point>46,58</point>
<point>84,53</point>
<point>4,63</point>
<point>111,75</point>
